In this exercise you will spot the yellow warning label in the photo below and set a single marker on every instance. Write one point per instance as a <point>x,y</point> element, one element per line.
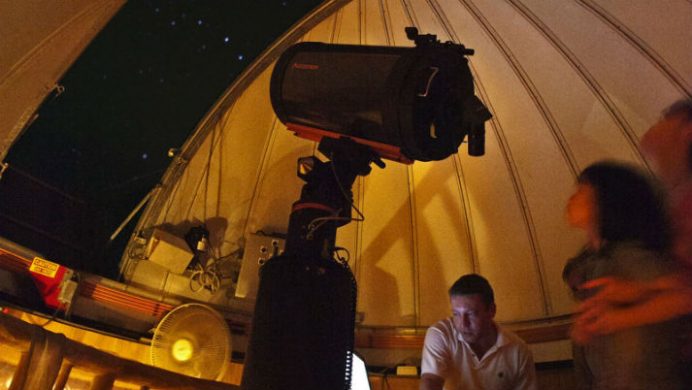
<point>44,267</point>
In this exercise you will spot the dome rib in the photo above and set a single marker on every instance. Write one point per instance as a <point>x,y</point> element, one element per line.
<point>386,22</point>
<point>410,14</point>
<point>521,198</point>
<point>415,263</point>
<point>467,216</point>
<point>264,160</point>
<point>528,84</point>
<point>589,80</point>
<point>565,89</point>
<point>633,39</point>
<point>520,193</point>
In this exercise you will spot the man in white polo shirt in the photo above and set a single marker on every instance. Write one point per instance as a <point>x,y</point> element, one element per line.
<point>469,350</point>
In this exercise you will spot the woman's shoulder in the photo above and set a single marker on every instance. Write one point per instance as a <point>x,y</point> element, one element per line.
<point>578,263</point>
<point>578,270</point>
<point>632,250</point>
<point>633,260</point>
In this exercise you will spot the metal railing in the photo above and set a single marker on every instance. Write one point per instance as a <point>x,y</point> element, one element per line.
<point>48,358</point>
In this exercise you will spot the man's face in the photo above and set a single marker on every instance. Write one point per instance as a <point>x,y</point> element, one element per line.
<point>472,317</point>
<point>666,146</point>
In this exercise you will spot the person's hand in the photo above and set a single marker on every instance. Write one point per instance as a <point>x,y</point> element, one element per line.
<point>579,332</point>
<point>613,291</point>
<point>599,314</point>
<point>618,305</point>
<point>599,319</point>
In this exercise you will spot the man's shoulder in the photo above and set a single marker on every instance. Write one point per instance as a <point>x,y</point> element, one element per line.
<point>443,325</point>
<point>511,340</point>
<point>443,328</point>
<point>441,331</point>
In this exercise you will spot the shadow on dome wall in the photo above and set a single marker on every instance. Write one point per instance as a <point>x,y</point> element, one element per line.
<point>361,103</point>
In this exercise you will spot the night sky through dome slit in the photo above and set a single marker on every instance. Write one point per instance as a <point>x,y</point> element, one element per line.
<point>138,90</point>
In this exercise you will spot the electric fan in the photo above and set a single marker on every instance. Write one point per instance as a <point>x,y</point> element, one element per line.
<point>194,340</point>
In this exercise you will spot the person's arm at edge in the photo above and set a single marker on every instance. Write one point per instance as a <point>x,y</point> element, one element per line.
<point>601,318</point>
<point>431,382</point>
<point>619,291</point>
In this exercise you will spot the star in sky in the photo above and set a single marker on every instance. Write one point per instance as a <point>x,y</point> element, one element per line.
<point>140,88</point>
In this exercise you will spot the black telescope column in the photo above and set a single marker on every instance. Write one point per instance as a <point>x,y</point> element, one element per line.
<point>303,326</point>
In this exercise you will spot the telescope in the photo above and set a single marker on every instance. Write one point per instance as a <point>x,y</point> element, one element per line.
<point>361,103</point>
<point>405,103</point>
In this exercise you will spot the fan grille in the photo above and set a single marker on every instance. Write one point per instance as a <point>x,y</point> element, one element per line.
<point>206,344</point>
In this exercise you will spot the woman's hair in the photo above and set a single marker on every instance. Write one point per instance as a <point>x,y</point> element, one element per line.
<point>630,207</point>
<point>681,107</point>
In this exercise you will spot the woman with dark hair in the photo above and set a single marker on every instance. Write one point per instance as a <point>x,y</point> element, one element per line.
<point>628,236</point>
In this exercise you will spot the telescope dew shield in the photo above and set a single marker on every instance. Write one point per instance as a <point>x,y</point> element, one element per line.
<point>406,103</point>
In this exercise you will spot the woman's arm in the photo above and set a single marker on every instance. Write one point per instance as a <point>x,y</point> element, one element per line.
<point>620,291</point>
<point>625,304</point>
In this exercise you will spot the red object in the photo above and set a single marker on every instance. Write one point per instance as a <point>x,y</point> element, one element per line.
<point>48,277</point>
<point>124,300</point>
<point>310,205</point>
<point>384,150</point>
